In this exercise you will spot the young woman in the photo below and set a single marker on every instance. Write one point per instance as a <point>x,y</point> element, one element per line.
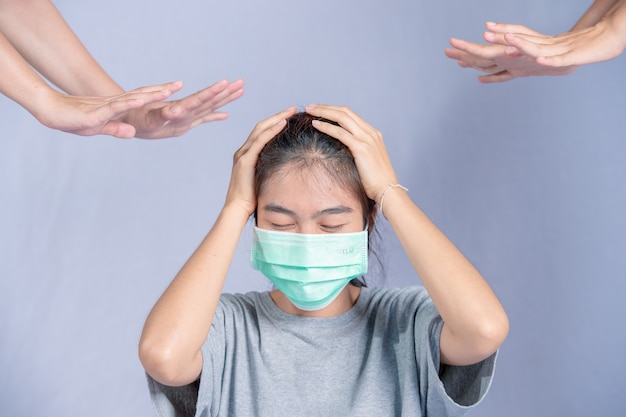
<point>321,343</point>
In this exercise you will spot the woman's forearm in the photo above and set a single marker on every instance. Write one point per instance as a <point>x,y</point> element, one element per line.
<point>40,34</point>
<point>595,13</point>
<point>20,83</point>
<point>473,316</point>
<point>180,321</point>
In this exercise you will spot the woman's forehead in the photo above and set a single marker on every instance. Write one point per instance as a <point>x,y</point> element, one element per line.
<point>310,184</point>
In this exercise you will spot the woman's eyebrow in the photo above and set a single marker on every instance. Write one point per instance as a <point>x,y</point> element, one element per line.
<point>333,210</point>
<point>275,208</point>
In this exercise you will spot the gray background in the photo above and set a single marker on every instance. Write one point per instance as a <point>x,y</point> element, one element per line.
<point>526,177</point>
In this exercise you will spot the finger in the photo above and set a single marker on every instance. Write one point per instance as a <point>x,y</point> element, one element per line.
<point>336,132</point>
<point>118,129</point>
<point>495,38</point>
<point>352,130</point>
<point>222,100</point>
<point>154,93</point>
<point>248,153</point>
<point>172,87</point>
<point>232,92</point>
<point>169,86</point>
<point>208,112</point>
<point>344,116</point>
<point>477,50</point>
<point>510,28</point>
<point>513,52</point>
<point>269,124</point>
<point>204,101</point>
<point>465,60</point>
<point>453,53</point>
<point>564,61</point>
<point>498,77</point>
<point>213,116</point>
<point>216,92</point>
<point>205,117</point>
<point>534,46</point>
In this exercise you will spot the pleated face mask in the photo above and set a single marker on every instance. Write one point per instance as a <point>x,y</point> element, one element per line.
<point>310,269</point>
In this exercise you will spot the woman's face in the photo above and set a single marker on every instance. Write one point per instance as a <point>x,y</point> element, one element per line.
<point>307,201</point>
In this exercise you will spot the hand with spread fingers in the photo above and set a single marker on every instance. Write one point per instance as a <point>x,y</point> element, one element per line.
<point>174,118</point>
<point>515,51</point>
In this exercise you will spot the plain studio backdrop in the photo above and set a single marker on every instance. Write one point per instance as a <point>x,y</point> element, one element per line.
<point>526,177</point>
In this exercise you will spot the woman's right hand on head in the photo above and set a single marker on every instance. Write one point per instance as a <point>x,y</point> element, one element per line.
<point>241,189</point>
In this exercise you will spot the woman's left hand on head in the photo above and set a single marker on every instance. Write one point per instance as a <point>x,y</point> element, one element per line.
<point>365,143</point>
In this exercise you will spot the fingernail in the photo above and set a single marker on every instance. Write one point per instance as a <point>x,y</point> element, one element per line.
<point>490,23</point>
<point>310,106</point>
<point>316,123</point>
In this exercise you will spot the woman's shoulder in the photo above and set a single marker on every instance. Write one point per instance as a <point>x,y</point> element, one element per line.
<point>402,295</point>
<point>401,301</point>
<point>243,301</point>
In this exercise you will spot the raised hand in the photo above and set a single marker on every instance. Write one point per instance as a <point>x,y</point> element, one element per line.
<point>500,60</point>
<point>88,116</point>
<point>174,118</point>
<point>241,188</point>
<point>365,143</point>
<point>517,51</point>
<point>600,42</point>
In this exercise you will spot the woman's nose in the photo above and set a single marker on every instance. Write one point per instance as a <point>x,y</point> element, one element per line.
<point>309,229</point>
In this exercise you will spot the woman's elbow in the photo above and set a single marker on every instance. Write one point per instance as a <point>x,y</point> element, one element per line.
<point>165,366</point>
<point>492,332</point>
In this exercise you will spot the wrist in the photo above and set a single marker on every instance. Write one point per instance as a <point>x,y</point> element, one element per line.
<point>235,213</point>
<point>391,188</point>
<point>45,103</point>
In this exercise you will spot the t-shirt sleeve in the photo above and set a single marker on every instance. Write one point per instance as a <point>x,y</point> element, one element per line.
<point>184,401</point>
<point>173,401</point>
<point>213,359</point>
<point>447,390</point>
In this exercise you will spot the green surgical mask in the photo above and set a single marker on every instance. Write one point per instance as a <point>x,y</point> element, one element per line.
<point>310,269</point>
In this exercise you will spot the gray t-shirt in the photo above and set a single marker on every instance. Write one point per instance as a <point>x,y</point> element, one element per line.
<point>381,358</point>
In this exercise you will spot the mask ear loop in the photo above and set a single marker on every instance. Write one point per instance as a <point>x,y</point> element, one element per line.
<point>360,281</point>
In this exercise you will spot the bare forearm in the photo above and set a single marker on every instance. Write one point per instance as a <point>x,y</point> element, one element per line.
<point>618,15</point>
<point>180,321</point>
<point>40,34</point>
<point>468,306</point>
<point>20,82</point>
<point>595,13</point>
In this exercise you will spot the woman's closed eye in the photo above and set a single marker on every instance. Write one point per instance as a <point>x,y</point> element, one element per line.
<point>282,227</point>
<point>332,228</point>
